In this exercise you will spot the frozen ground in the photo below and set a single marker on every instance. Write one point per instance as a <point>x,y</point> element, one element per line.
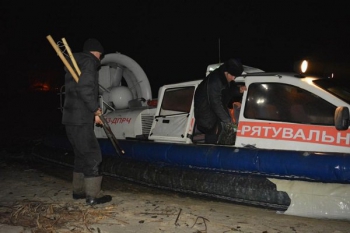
<point>36,197</point>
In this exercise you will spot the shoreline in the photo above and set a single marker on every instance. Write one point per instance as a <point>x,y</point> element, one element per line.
<point>37,198</point>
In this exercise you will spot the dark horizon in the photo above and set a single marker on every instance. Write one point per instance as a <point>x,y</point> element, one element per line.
<point>175,41</point>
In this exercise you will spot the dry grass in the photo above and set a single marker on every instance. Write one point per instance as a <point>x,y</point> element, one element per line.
<point>56,217</point>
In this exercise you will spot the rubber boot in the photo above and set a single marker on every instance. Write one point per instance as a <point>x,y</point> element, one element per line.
<point>78,186</point>
<point>93,191</point>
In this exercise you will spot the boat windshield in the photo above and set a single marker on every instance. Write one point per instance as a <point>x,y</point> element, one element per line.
<point>177,101</point>
<point>337,87</point>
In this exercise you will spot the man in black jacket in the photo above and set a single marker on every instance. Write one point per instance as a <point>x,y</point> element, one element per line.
<point>210,101</point>
<point>81,110</point>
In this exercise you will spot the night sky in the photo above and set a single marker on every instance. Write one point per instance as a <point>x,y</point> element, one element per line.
<point>173,40</point>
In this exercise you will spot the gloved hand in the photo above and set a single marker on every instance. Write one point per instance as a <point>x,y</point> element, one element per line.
<point>227,135</point>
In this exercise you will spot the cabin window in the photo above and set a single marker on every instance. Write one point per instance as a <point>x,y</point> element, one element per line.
<point>177,100</point>
<point>287,103</point>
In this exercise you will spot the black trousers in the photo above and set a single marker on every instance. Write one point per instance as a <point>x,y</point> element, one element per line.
<point>212,134</point>
<point>87,152</point>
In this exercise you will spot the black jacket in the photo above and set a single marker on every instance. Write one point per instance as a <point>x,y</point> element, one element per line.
<point>211,99</point>
<point>81,99</point>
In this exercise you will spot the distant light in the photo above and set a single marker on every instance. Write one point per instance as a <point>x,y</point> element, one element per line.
<point>260,101</point>
<point>304,66</point>
<point>331,75</point>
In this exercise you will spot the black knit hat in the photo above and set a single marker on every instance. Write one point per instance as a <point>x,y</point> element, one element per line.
<point>93,45</point>
<point>234,67</point>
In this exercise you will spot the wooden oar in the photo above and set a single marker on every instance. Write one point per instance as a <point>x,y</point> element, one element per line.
<point>64,60</point>
<point>105,124</point>
<point>71,56</point>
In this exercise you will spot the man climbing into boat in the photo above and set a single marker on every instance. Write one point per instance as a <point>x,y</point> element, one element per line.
<point>81,110</point>
<point>210,103</point>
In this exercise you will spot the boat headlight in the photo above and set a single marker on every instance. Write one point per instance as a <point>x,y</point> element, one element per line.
<point>304,66</point>
<point>300,67</point>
